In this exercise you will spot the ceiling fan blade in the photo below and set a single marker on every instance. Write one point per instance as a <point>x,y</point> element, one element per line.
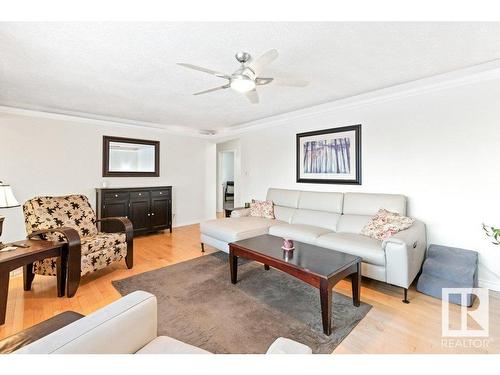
<point>291,82</point>
<point>252,96</point>
<point>204,70</point>
<point>210,90</point>
<point>260,63</point>
<point>263,81</point>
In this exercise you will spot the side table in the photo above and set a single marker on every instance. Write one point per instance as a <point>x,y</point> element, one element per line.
<point>24,257</point>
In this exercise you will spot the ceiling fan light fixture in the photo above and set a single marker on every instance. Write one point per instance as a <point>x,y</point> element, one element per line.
<point>242,84</point>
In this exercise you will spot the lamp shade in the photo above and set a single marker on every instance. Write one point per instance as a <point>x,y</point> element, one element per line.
<point>7,198</point>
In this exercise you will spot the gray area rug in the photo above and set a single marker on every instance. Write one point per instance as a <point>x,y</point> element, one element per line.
<point>198,304</point>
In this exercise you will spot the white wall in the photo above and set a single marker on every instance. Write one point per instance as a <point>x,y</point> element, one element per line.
<point>43,156</point>
<point>210,186</point>
<point>441,149</point>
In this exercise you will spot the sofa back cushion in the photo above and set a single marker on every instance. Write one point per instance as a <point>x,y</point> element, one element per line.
<point>321,201</point>
<point>285,202</point>
<point>341,212</point>
<point>283,197</point>
<point>72,211</point>
<point>320,209</point>
<point>284,213</point>
<point>369,204</point>
<point>321,219</point>
<point>359,208</point>
<point>352,223</point>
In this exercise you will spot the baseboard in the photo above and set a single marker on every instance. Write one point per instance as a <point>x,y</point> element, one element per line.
<point>186,223</point>
<point>491,285</point>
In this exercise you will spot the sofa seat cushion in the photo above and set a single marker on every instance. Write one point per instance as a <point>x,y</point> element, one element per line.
<point>98,252</point>
<point>168,345</point>
<point>236,228</point>
<point>102,241</point>
<point>298,232</point>
<point>356,244</point>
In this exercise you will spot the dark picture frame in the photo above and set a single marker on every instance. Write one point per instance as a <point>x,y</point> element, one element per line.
<point>106,140</point>
<point>350,151</point>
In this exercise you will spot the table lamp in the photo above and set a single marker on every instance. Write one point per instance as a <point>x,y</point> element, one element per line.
<point>7,200</point>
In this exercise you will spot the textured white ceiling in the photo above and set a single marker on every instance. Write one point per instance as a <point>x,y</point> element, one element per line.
<point>128,70</point>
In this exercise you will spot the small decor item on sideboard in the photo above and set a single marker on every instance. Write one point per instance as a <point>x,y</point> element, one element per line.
<point>247,205</point>
<point>492,232</point>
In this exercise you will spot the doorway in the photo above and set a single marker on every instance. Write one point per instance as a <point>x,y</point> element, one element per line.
<point>227,176</point>
<point>227,179</point>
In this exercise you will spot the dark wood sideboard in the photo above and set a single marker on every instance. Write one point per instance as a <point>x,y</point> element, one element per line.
<point>149,208</point>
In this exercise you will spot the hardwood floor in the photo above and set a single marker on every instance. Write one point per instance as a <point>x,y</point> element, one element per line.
<point>390,327</point>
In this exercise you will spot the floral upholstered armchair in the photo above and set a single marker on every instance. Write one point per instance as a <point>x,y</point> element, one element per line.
<point>71,219</point>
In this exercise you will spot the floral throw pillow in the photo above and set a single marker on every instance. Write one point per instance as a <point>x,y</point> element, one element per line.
<point>262,209</point>
<point>385,224</point>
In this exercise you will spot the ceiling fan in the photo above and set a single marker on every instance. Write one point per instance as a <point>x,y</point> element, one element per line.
<point>246,79</point>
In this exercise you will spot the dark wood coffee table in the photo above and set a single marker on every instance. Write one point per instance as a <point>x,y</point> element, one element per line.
<point>322,268</point>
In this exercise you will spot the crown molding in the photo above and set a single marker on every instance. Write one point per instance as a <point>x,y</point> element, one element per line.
<point>87,118</point>
<point>467,76</point>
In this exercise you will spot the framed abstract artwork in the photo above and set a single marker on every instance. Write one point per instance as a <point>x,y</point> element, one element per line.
<point>330,156</point>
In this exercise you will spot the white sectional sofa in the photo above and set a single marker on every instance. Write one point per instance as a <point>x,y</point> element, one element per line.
<point>128,326</point>
<point>333,221</point>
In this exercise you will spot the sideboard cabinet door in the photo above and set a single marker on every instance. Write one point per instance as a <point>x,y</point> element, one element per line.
<point>112,208</point>
<point>159,213</point>
<point>140,214</point>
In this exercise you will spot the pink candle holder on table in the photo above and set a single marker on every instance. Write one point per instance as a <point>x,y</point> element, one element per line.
<point>287,244</point>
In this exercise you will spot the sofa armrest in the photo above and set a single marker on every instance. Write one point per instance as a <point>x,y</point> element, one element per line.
<point>125,223</point>
<point>122,327</point>
<point>36,332</point>
<point>128,228</point>
<point>404,253</point>
<point>286,346</point>
<point>240,213</point>
<point>409,237</point>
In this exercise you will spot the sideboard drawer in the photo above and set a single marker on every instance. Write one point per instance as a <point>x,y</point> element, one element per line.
<point>160,193</point>
<point>139,195</point>
<point>118,196</point>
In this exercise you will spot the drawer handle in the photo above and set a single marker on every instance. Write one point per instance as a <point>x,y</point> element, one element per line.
<point>140,194</point>
<point>153,214</point>
<point>149,214</point>
<point>161,192</point>
<point>116,195</point>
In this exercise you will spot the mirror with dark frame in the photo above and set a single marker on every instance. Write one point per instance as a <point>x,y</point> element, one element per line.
<point>129,157</point>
